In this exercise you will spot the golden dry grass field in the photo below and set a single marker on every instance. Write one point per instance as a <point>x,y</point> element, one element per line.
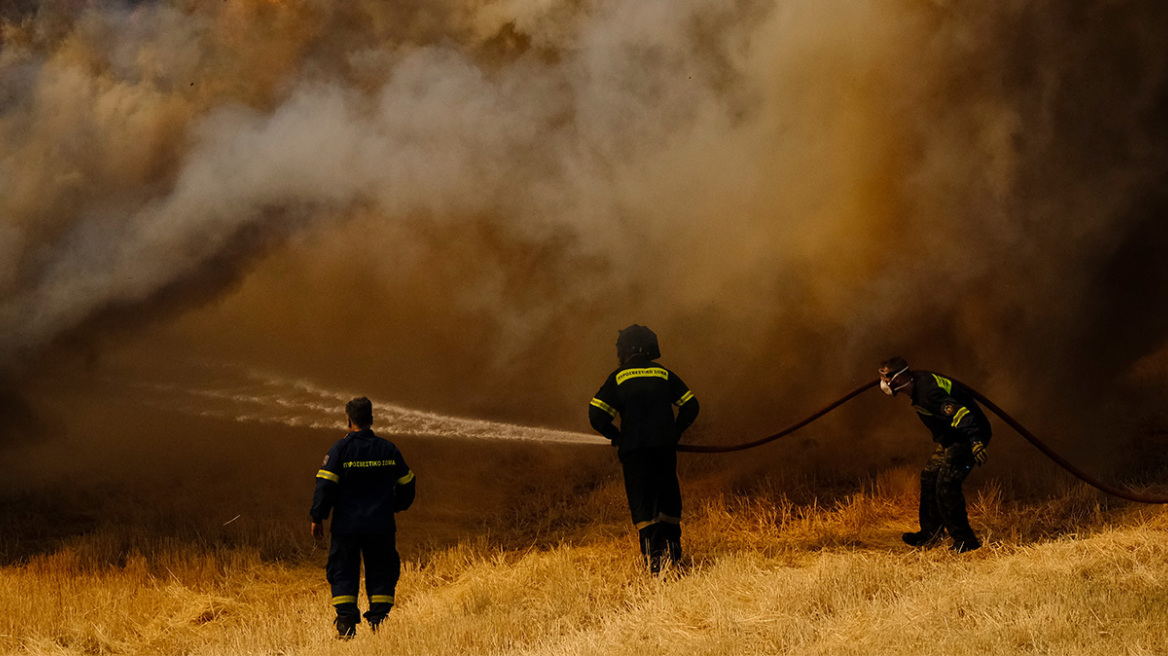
<point>157,534</point>
<point>772,567</point>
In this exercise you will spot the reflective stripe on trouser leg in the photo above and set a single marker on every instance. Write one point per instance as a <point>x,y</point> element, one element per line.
<point>344,575</point>
<point>640,526</point>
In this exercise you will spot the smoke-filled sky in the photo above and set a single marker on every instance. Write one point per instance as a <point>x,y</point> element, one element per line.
<point>455,204</point>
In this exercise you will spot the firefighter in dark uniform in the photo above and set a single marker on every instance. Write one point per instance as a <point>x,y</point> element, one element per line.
<point>363,481</point>
<point>961,431</point>
<point>643,394</point>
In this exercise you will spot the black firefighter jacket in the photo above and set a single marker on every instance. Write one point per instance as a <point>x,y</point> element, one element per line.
<point>948,410</point>
<point>643,393</point>
<point>363,481</point>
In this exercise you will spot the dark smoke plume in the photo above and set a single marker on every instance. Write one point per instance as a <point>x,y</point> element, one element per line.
<point>458,203</point>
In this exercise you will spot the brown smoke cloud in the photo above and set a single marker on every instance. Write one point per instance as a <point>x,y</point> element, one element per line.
<point>456,204</point>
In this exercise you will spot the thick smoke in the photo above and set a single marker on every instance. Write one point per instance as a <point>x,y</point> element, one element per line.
<point>458,203</point>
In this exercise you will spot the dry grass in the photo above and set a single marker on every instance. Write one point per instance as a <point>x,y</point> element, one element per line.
<point>558,575</point>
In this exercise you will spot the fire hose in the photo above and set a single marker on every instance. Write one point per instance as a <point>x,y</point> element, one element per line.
<point>1002,414</point>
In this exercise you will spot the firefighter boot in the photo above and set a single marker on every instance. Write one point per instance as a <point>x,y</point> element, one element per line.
<point>673,543</point>
<point>376,615</point>
<point>919,538</point>
<point>346,628</point>
<point>652,547</point>
<point>965,543</point>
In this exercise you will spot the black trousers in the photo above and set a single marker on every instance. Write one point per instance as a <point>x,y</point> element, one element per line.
<point>942,500</point>
<point>655,502</point>
<point>382,570</point>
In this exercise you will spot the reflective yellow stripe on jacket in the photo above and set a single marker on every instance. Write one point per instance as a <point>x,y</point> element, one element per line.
<point>597,403</point>
<point>369,463</point>
<point>647,372</point>
<point>959,416</point>
<point>328,476</point>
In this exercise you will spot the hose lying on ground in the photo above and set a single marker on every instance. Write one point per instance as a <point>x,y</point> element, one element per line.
<point>1002,414</point>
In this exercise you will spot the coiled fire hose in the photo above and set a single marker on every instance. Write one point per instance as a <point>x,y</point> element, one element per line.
<point>1002,414</point>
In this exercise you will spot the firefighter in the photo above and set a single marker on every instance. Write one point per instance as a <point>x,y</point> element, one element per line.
<point>363,481</point>
<point>643,394</point>
<point>961,431</point>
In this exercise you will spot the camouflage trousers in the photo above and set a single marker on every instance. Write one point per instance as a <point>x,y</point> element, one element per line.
<point>942,501</point>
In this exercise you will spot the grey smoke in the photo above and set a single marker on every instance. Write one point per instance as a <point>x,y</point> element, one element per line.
<point>780,188</point>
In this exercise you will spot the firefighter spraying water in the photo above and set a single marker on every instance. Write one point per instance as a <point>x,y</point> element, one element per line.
<point>642,393</point>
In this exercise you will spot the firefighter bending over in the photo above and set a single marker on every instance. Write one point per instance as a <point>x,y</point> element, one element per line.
<point>364,480</point>
<point>961,431</point>
<point>643,393</point>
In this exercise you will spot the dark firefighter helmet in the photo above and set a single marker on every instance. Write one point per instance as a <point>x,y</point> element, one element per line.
<point>636,340</point>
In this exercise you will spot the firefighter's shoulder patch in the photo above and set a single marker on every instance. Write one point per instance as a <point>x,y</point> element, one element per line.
<point>949,408</point>
<point>326,459</point>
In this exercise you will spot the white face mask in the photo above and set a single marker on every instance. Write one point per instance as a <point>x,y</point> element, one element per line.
<point>885,383</point>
